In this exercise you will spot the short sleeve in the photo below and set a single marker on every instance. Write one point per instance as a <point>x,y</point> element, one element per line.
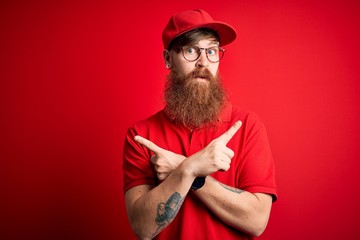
<point>257,172</point>
<point>136,166</point>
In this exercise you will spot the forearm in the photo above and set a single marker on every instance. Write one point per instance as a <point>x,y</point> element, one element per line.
<point>149,213</point>
<point>240,209</point>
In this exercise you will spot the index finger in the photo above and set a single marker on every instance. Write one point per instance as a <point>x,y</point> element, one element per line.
<point>226,137</point>
<point>148,144</point>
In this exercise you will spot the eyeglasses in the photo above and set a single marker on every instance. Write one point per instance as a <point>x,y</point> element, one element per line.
<point>213,54</point>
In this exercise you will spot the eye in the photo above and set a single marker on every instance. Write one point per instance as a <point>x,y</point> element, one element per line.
<point>191,50</point>
<point>212,51</point>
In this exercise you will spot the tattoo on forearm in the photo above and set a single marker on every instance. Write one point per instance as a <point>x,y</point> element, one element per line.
<point>235,190</point>
<point>166,212</point>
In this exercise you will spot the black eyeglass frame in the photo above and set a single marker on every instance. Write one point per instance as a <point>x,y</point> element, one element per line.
<point>221,53</point>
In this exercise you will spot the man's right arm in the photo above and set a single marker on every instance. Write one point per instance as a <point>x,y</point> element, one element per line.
<point>150,209</point>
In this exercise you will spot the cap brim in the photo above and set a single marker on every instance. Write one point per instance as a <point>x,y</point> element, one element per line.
<point>227,34</point>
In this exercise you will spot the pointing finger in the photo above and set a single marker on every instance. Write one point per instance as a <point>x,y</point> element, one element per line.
<point>148,144</point>
<point>226,137</point>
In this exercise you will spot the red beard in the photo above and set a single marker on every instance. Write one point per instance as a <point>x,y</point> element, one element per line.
<point>193,103</point>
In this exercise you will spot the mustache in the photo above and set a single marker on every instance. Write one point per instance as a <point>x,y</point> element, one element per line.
<point>201,73</point>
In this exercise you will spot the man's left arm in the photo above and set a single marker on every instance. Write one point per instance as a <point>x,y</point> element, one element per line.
<point>243,210</point>
<point>248,212</point>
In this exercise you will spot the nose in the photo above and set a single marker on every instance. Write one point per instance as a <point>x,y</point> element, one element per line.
<point>202,61</point>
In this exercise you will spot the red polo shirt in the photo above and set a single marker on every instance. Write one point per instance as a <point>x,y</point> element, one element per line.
<point>251,169</point>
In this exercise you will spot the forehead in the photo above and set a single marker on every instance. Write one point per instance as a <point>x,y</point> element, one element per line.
<point>200,39</point>
<point>206,42</point>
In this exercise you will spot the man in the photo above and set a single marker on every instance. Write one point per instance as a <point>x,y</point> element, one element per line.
<point>200,168</point>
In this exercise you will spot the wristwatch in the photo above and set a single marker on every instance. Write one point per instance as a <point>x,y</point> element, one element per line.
<point>198,183</point>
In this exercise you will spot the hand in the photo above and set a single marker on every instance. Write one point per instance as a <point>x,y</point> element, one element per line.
<point>215,156</point>
<point>164,161</point>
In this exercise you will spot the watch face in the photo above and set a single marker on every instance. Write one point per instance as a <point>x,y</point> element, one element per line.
<point>198,183</point>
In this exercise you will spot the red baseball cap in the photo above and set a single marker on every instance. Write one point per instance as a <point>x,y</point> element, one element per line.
<point>186,21</point>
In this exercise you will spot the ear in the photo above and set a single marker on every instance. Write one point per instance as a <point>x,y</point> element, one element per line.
<point>167,58</point>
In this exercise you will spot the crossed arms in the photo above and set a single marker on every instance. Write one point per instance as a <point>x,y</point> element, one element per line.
<point>150,209</point>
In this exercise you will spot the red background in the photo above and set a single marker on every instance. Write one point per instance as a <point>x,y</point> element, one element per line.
<point>75,75</point>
